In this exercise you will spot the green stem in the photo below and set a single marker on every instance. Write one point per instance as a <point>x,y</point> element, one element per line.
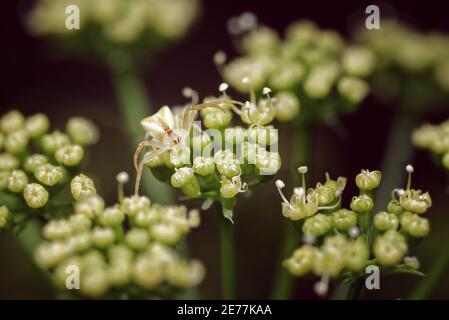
<point>228,276</point>
<point>349,289</point>
<point>425,287</point>
<point>134,106</point>
<point>283,284</point>
<point>398,154</point>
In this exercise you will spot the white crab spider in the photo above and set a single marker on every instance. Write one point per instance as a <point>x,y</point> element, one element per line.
<point>164,133</point>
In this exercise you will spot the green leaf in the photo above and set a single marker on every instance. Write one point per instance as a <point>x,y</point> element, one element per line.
<point>406,269</point>
<point>228,214</point>
<point>207,204</point>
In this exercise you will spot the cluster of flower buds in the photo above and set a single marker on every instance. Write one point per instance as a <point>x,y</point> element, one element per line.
<point>337,240</point>
<point>127,250</point>
<point>218,163</point>
<point>35,164</point>
<point>407,70</point>
<point>434,138</point>
<point>115,21</point>
<point>311,68</point>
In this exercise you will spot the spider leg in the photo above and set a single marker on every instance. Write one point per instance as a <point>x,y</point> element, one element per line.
<point>139,168</point>
<point>143,144</point>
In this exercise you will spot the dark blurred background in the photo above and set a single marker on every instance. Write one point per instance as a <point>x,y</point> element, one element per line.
<point>34,77</point>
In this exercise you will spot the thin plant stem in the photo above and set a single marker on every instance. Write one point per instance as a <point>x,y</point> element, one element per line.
<point>425,287</point>
<point>398,154</point>
<point>283,282</point>
<point>227,249</point>
<point>349,289</point>
<point>134,106</point>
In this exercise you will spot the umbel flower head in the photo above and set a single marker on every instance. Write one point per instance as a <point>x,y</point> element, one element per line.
<point>434,138</point>
<point>129,25</point>
<point>339,242</point>
<point>407,72</point>
<point>220,162</point>
<point>311,70</point>
<point>35,164</point>
<point>129,244</point>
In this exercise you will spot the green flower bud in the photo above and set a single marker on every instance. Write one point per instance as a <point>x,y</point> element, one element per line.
<point>16,141</point>
<point>203,166</point>
<point>394,207</point>
<point>412,262</point>
<point>358,61</point>
<point>4,179</point>
<point>137,239</point>
<point>102,237</point>
<point>80,242</point>
<point>424,136</point>
<point>111,216</point>
<point>32,162</point>
<point>49,254</point>
<point>344,219</point>
<point>120,252</point>
<point>216,118</point>
<point>185,179</point>
<point>262,40</point>
<point>4,216</point>
<point>414,225</point>
<point>301,261</point>
<point>53,141</point>
<point>235,135</point>
<point>148,272</point>
<point>135,204</point>
<point>183,274</point>
<point>262,114</point>
<point>69,155</point>
<point>320,80</point>
<point>356,255</point>
<point>287,106</point>
<point>82,186</point>
<point>82,131</point>
<point>90,207</point>
<point>155,162</point>
<point>414,201</point>
<point>49,174</point>
<point>323,194</point>
<point>362,203</point>
<point>57,230</point>
<point>287,75</point>
<point>385,221</point>
<point>37,125</point>
<point>329,261</point>
<point>368,180</point>
<point>302,32</point>
<point>11,121</point>
<point>60,271</point>
<point>353,89</point>
<point>176,158</point>
<point>8,162</point>
<point>317,225</point>
<point>229,167</point>
<point>17,181</point>
<point>93,260</point>
<point>390,248</point>
<point>119,273</point>
<point>264,136</point>
<point>94,283</point>
<point>231,187</point>
<point>144,219</point>
<point>35,195</point>
<point>255,69</point>
<point>165,233</point>
<point>80,222</point>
